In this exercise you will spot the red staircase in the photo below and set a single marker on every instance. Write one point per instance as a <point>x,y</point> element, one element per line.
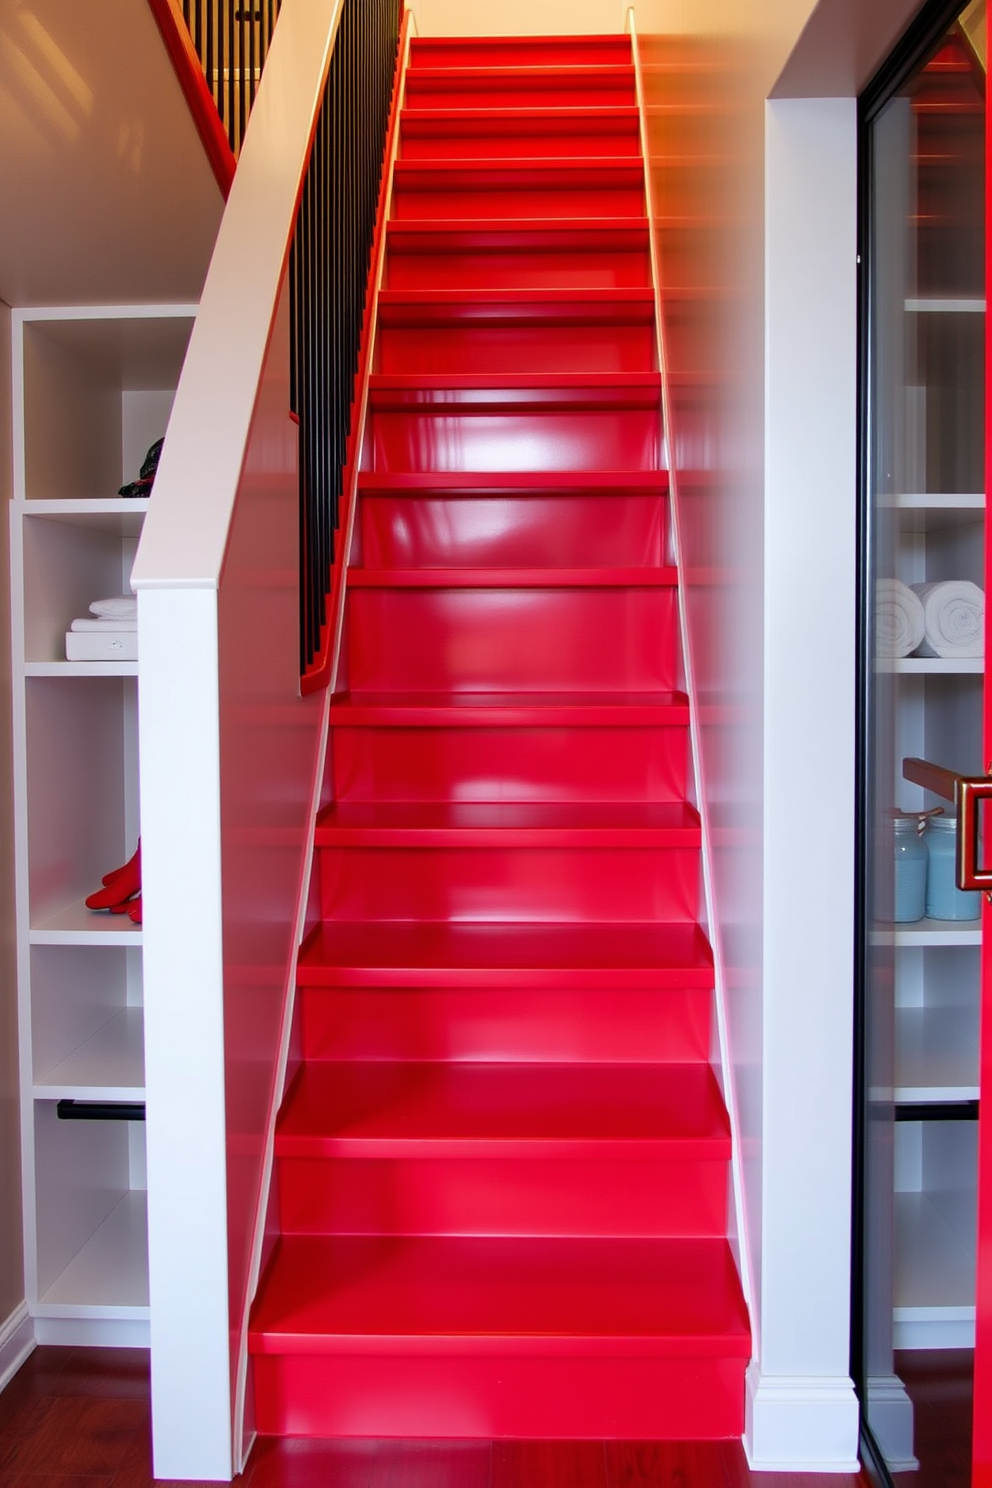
<point>503,1165</point>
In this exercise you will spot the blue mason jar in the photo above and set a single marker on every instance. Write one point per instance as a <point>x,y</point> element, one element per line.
<point>910,869</point>
<point>945,901</point>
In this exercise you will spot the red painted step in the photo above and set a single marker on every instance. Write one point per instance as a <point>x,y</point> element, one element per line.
<point>520,51</point>
<point>533,133</point>
<point>459,1147</point>
<point>520,1022</point>
<point>452,190</point>
<point>503,1160</point>
<point>411,953</point>
<point>458,331</point>
<point>518,87</point>
<point>501,1336</point>
<point>532,255</point>
<point>391,1109</point>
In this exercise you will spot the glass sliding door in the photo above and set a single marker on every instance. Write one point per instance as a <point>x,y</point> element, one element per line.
<point>922,667</point>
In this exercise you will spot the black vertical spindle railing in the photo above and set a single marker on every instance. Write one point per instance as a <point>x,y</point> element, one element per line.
<point>232,39</point>
<point>329,267</point>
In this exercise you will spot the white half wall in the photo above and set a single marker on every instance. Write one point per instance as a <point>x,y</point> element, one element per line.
<point>802,1410</point>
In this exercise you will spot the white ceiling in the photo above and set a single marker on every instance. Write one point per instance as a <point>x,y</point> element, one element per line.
<point>106,195</point>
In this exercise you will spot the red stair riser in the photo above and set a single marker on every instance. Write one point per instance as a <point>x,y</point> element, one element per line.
<point>521,1024</point>
<point>419,203</point>
<point>549,885</point>
<point>512,531</point>
<point>535,764</point>
<point>485,88</point>
<point>437,640</point>
<point>531,51</point>
<point>485,1196</point>
<point>502,348</point>
<point>516,268</point>
<point>502,135</point>
<point>626,1398</point>
<point>583,440</point>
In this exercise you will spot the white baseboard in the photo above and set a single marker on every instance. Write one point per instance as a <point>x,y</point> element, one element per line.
<point>17,1340</point>
<point>93,1332</point>
<point>890,1414</point>
<point>799,1423</point>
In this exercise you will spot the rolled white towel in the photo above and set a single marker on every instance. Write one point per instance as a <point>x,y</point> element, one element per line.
<point>953,618</point>
<point>117,607</point>
<point>899,620</point>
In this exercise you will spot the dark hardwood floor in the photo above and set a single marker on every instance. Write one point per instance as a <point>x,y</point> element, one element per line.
<point>79,1418</point>
<point>939,1383</point>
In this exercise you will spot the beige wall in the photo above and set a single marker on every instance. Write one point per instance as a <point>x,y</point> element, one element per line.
<point>11,1256</point>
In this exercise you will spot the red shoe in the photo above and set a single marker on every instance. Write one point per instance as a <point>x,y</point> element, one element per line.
<point>115,873</point>
<point>119,886</point>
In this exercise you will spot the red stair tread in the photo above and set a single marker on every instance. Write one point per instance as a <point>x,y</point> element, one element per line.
<point>387,1109</point>
<point>528,172</point>
<point>505,392</point>
<point>535,823</point>
<point>551,1297</point>
<point>509,709</point>
<point>545,307</point>
<point>512,578</point>
<point>492,482</point>
<point>603,118</point>
<point>558,233</point>
<point>550,75</point>
<point>426,953</point>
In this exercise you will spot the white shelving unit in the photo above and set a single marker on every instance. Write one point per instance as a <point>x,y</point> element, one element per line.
<point>93,388</point>
<point>935,962</point>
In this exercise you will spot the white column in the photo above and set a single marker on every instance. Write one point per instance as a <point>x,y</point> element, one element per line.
<point>801,1409</point>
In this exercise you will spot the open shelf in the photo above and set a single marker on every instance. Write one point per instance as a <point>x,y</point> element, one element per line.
<point>936,1054</point>
<point>109,1065</point>
<point>108,1275</point>
<point>935,1270</point>
<point>957,666</point>
<point>76,925</point>
<point>928,932</point>
<point>946,305</point>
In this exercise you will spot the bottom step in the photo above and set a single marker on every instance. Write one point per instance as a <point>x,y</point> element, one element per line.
<point>532,1338</point>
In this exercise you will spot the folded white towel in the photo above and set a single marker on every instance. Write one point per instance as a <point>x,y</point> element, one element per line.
<point>899,619</point>
<point>953,618</point>
<point>96,626</point>
<point>118,607</point>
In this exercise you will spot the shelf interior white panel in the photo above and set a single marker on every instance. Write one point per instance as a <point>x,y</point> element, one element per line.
<point>74,924</point>
<point>82,787</point>
<point>81,669</point>
<point>936,666</point>
<point>935,1249</point>
<point>119,516</point>
<point>937,1053</point>
<point>110,1064</point>
<point>946,305</point>
<point>110,1271</point>
<point>82,1171</point>
<point>68,562</point>
<point>928,932</point>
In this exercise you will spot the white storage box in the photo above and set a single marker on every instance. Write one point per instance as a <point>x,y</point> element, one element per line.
<point>88,645</point>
